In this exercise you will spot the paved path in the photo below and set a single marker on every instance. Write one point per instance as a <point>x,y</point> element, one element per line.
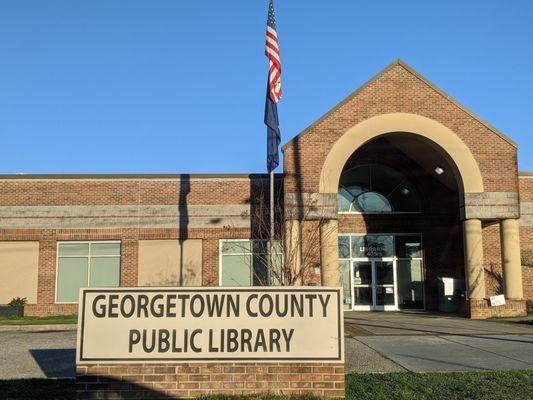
<point>395,323</point>
<point>455,353</point>
<point>37,354</point>
<point>428,342</point>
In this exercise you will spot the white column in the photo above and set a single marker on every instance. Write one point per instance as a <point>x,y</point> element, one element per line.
<point>329,252</point>
<point>512,268</point>
<point>475,274</point>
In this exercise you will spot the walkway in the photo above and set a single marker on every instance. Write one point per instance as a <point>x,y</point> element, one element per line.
<point>429,342</point>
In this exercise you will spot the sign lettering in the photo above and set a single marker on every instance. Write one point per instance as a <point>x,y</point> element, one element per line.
<point>202,324</point>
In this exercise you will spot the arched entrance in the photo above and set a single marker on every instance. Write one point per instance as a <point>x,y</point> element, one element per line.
<point>423,147</point>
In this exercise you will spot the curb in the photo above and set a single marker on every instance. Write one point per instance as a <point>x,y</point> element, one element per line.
<point>38,328</point>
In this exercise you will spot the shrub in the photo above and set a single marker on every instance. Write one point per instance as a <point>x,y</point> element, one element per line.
<point>18,302</point>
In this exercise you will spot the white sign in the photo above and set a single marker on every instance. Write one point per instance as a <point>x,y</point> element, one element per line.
<point>498,300</point>
<point>128,325</point>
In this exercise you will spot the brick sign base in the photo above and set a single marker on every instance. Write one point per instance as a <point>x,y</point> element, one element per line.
<point>481,309</point>
<point>182,380</point>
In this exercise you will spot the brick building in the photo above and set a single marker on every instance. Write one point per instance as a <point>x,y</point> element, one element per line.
<point>392,190</point>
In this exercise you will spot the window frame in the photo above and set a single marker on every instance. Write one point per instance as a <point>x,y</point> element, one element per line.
<point>250,254</point>
<point>370,165</point>
<point>88,256</point>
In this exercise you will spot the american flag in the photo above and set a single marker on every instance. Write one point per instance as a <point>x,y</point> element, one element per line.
<point>272,52</point>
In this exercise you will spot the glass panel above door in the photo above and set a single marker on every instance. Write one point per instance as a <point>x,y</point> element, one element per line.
<point>373,246</point>
<point>409,246</point>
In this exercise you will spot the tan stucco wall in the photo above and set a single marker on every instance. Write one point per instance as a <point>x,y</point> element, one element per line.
<point>161,263</point>
<point>19,263</point>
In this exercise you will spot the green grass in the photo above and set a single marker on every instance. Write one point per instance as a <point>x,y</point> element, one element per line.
<point>500,385</point>
<point>52,320</point>
<point>508,385</point>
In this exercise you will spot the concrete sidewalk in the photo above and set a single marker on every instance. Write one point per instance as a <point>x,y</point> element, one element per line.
<point>431,342</point>
<point>455,353</point>
<point>39,328</point>
<point>402,323</point>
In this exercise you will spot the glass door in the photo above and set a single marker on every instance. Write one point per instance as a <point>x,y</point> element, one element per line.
<point>384,287</point>
<point>374,285</point>
<point>362,287</point>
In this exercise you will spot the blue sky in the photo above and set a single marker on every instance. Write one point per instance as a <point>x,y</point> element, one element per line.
<point>109,86</point>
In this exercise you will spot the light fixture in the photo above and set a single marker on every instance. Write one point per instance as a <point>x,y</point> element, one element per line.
<point>404,191</point>
<point>439,170</point>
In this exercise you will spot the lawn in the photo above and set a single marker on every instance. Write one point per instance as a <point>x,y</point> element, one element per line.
<point>510,385</point>
<point>52,320</point>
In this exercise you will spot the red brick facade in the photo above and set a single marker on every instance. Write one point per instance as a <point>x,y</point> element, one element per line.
<point>526,237</point>
<point>396,90</point>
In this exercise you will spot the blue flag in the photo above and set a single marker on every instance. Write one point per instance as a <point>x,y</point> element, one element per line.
<point>273,133</point>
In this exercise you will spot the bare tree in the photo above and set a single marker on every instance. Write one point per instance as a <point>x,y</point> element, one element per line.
<point>293,257</point>
<point>527,258</point>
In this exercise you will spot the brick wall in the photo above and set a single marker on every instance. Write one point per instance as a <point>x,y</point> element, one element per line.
<point>492,258</point>
<point>526,237</point>
<point>397,89</point>
<point>133,191</point>
<point>481,309</point>
<point>108,381</point>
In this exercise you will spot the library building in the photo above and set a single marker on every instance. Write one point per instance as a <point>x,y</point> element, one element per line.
<point>399,194</point>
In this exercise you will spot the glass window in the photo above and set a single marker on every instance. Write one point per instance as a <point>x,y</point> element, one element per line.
<point>408,246</point>
<point>363,295</point>
<point>376,189</point>
<point>373,246</point>
<point>345,283</point>
<point>245,263</point>
<point>105,272</point>
<point>71,276</point>
<point>344,246</point>
<point>236,271</point>
<point>410,281</point>
<point>86,265</point>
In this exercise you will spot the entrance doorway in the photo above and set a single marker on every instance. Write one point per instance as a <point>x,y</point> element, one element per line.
<point>374,285</point>
<point>381,272</point>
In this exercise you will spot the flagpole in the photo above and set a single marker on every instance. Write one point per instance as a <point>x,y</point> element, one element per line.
<point>271,220</point>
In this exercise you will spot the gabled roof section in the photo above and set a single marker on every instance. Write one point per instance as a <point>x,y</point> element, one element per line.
<point>421,78</point>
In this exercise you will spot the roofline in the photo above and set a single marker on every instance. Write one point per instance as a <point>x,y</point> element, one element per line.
<point>525,174</point>
<point>424,80</point>
<point>136,176</point>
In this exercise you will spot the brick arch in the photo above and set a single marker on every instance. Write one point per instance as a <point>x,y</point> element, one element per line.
<point>466,169</point>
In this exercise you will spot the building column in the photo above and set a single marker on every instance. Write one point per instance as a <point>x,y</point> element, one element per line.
<point>512,269</point>
<point>329,252</point>
<point>292,252</point>
<point>475,274</point>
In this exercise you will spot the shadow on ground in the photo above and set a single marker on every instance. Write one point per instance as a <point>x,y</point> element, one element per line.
<point>56,363</point>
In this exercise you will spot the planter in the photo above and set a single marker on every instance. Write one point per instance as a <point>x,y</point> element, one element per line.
<point>8,311</point>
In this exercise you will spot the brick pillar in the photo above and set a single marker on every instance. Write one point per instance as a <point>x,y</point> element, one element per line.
<point>210,259</point>
<point>475,274</point>
<point>329,252</point>
<point>129,257</point>
<point>46,277</point>
<point>512,269</point>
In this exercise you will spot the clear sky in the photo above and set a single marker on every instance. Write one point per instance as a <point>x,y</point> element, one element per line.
<point>109,86</point>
